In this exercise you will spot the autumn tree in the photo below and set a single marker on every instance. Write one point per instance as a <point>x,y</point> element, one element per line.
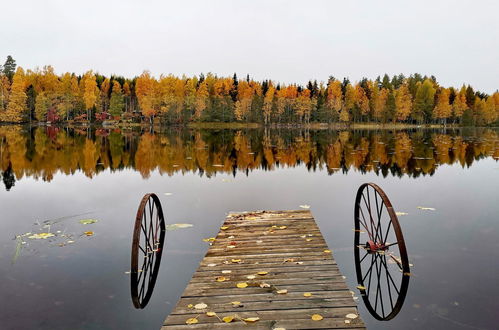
<point>268,104</point>
<point>459,105</point>
<point>442,109</point>
<point>334,99</point>
<point>90,92</point>
<point>201,100</point>
<point>403,103</point>
<point>17,99</point>
<point>145,89</point>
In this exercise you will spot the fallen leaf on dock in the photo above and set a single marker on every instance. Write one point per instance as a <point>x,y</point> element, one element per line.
<point>251,319</point>
<point>190,306</point>
<point>307,294</point>
<point>284,291</point>
<point>211,265</point>
<point>262,273</point>
<point>242,285</point>
<point>226,271</point>
<point>221,278</point>
<point>236,261</point>
<point>229,319</point>
<point>317,317</point>
<point>224,227</point>
<point>352,316</point>
<point>200,306</point>
<point>327,251</point>
<point>264,285</point>
<point>210,314</point>
<point>192,320</point>
<point>250,277</point>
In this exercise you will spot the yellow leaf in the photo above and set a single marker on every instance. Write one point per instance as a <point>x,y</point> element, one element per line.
<point>192,320</point>
<point>327,251</point>
<point>361,287</point>
<point>284,291</point>
<point>224,227</point>
<point>235,302</point>
<point>228,319</point>
<point>251,319</point>
<point>42,236</point>
<point>211,265</point>
<point>250,277</point>
<point>308,239</point>
<point>200,306</point>
<point>211,239</point>
<point>317,317</point>
<point>222,278</point>
<point>88,233</point>
<point>236,261</point>
<point>262,273</point>
<point>352,316</point>
<point>307,294</point>
<point>279,329</point>
<point>190,306</point>
<point>242,285</point>
<point>283,227</point>
<point>210,314</point>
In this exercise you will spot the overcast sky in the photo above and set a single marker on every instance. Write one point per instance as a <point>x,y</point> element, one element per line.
<point>287,41</point>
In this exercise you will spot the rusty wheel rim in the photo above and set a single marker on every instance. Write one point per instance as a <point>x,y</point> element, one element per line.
<point>147,248</point>
<point>381,261</point>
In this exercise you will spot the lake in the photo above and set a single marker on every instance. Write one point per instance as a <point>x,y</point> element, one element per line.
<point>54,177</point>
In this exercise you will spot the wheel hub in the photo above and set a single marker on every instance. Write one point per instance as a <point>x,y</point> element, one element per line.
<point>372,246</point>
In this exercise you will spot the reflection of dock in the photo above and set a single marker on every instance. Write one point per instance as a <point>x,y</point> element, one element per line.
<point>270,265</point>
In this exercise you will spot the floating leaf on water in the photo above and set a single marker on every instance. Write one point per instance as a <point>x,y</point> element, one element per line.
<point>168,194</point>
<point>401,213</point>
<point>242,285</point>
<point>305,206</point>
<point>87,221</point>
<point>210,239</point>
<point>88,233</point>
<point>192,320</point>
<point>317,317</point>
<point>200,306</point>
<point>41,236</point>
<point>351,316</point>
<point>224,227</point>
<point>251,319</point>
<point>175,226</point>
<point>361,287</point>
<point>426,208</point>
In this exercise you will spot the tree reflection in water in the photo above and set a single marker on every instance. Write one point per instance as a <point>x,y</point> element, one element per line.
<point>42,152</point>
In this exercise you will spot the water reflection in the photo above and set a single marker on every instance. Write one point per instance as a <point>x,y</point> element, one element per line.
<point>380,255</point>
<point>147,249</point>
<point>42,152</point>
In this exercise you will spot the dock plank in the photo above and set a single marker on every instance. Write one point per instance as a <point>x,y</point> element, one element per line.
<point>269,251</point>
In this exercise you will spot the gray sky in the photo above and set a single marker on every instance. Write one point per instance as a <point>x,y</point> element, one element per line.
<point>287,41</point>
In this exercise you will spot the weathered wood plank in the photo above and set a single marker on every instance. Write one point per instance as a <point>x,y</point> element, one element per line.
<point>278,250</point>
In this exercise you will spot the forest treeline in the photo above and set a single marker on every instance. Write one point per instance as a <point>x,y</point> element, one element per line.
<point>42,95</point>
<point>43,152</point>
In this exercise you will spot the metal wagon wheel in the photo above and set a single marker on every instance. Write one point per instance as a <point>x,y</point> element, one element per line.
<point>381,261</point>
<point>147,248</point>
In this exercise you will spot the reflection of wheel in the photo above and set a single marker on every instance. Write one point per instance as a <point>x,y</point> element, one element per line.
<point>147,247</point>
<point>381,261</point>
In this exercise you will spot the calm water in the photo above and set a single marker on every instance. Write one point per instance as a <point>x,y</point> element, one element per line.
<point>68,175</point>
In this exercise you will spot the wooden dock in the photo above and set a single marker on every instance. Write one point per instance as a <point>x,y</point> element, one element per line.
<point>267,270</point>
